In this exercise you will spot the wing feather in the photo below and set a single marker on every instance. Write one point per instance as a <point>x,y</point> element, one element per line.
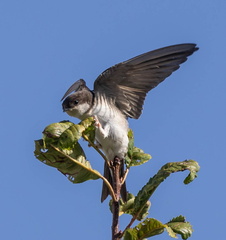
<point>127,83</point>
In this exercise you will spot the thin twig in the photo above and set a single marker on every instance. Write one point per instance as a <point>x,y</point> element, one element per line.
<point>96,148</point>
<point>130,224</point>
<point>125,176</point>
<point>91,170</point>
<point>132,221</point>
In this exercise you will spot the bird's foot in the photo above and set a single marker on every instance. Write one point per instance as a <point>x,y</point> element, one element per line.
<point>99,127</point>
<point>96,122</point>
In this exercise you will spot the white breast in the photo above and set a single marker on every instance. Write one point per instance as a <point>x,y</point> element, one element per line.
<point>114,142</point>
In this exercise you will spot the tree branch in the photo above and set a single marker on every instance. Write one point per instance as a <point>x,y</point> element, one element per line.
<point>116,166</point>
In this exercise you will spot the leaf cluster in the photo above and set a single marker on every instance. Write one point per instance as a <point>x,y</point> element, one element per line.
<point>151,227</point>
<point>59,148</point>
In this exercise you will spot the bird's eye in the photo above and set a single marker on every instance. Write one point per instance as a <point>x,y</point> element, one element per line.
<point>76,102</point>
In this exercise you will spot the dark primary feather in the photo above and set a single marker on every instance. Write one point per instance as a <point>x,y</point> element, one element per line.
<point>127,83</point>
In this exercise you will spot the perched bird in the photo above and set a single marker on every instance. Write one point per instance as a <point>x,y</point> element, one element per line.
<point>119,93</point>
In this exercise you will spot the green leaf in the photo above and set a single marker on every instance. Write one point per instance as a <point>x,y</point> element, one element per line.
<point>65,134</point>
<point>177,219</point>
<point>131,142</point>
<point>193,168</point>
<point>59,148</point>
<point>144,211</point>
<point>125,207</point>
<point>146,192</point>
<point>171,232</point>
<point>90,133</point>
<point>76,168</point>
<point>148,228</point>
<point>180,226</point>
<point>151,227</point>
<point>128,207</point>
<point>135,156</point>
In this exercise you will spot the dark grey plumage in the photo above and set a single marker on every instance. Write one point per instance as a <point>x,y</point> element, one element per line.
<point>129,82</point>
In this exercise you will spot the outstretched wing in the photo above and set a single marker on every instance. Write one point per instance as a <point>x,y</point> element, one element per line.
<point>127,83</point>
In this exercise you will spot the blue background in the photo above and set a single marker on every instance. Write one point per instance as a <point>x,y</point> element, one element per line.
<point>47,45</point>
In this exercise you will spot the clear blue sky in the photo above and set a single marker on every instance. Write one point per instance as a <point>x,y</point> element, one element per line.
<point>47,45</point>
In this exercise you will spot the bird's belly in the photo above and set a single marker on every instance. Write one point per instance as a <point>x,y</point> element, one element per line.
<point>115,143</point>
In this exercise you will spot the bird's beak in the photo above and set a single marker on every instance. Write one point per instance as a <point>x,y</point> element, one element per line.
<point>66,109</point>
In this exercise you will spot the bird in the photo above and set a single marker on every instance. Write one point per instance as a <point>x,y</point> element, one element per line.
<point>119,93</point>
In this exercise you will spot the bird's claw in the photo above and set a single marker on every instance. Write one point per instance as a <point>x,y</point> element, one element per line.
<point>99,127</point>
<point>96,122</point>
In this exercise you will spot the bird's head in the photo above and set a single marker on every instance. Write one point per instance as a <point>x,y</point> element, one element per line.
<point>78,104</point>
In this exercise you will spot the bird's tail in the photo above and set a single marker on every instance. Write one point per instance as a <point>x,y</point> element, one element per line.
<point>108,176</point>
